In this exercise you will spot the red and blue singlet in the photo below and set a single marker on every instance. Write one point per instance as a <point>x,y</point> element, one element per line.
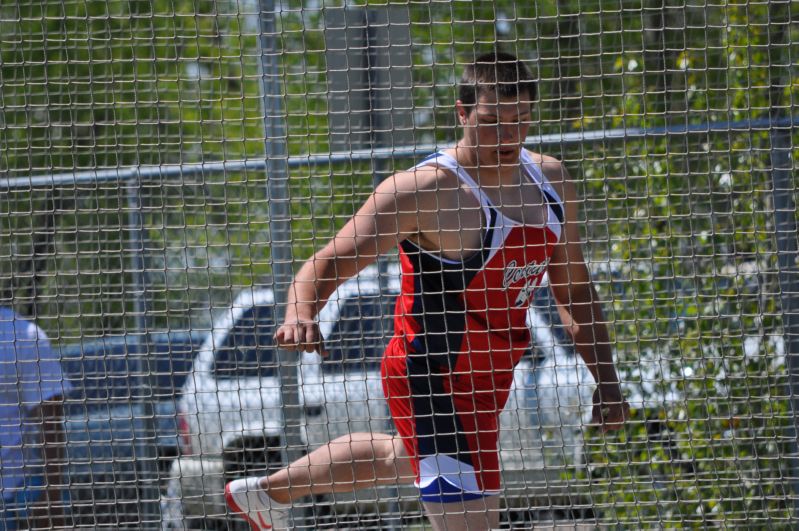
<point>460,329</point>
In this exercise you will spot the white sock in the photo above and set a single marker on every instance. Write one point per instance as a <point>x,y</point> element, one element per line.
<point>254,485</point>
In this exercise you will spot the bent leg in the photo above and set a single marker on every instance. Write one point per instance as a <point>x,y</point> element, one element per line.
<point>346,464</point>
<point>474,515</point>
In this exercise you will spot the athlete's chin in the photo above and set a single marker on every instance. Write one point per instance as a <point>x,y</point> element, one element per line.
<point>507,157</point>
<point>500,157</point>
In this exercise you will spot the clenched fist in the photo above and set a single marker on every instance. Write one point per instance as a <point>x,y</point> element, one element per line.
<point>300,335</point>
<point>610,409</point>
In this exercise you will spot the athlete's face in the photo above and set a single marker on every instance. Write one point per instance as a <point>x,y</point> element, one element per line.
<point>496,128</point>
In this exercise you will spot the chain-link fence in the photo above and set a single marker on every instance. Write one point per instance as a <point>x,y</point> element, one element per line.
<point>168,166</point>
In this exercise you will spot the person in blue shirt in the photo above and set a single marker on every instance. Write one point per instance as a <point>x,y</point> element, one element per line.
<point>32,439</point>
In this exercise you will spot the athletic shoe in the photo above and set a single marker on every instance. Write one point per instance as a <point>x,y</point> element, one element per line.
<point>247,499</point>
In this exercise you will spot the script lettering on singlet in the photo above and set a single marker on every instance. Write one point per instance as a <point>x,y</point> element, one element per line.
<point>531,273</point>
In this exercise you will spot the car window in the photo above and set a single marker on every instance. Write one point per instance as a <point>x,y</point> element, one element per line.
<point>248,350</point>
<point>360,334</point>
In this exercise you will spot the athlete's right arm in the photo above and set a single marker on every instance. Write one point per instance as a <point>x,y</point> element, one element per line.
<point>388,217</point>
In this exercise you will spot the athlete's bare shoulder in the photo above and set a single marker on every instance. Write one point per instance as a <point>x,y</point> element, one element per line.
<point>426,178</point>
<point>556,173</point>
<point>435,180</point>
<point>424,189</point>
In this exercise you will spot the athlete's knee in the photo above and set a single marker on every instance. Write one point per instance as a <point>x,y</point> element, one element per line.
<point>403,462</point>
<point>390,457</point>
<point>385,455</point>
<point>399,448</point>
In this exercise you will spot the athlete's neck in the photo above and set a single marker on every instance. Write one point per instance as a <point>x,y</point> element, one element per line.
<point>491,173</point>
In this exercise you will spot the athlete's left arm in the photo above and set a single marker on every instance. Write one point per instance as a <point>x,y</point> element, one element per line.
<point>579,307</point>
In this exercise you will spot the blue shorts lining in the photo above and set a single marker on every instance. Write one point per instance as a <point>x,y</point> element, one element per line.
<point>442,491</point>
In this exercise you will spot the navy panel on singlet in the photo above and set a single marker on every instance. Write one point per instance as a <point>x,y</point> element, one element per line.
<point>443,319</point>
<point>436,303</point>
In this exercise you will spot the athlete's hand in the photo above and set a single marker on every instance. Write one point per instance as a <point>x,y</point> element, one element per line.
<point>610,409</point>
<point>302,335</point>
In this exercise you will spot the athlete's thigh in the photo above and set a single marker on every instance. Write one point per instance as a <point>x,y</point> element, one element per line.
<point>474,515</point>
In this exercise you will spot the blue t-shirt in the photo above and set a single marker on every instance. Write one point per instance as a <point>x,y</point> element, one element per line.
<point>30,373</point>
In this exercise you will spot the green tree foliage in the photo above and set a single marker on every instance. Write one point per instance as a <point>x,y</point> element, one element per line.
<point>93,85</point>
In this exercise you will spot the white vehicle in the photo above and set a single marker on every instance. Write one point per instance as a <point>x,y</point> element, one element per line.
<point>230,416</point>
<point>231,420</point>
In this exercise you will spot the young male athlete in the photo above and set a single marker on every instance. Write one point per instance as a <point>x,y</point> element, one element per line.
<point>477,226</point>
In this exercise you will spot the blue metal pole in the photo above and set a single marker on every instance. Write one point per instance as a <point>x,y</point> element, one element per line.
<point>144,433</point>
<point>785,231</point>
<point>148,173</point>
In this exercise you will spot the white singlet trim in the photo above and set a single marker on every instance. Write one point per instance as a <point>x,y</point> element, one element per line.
<point>503,224</point>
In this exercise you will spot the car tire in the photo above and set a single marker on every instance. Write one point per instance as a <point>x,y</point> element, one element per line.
<point>252,456</point>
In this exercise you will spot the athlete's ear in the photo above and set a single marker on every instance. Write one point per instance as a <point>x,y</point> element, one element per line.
<point>462,111</point>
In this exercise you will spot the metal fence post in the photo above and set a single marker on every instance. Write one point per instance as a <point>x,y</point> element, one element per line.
<point>277,176</point>
<point>386,59</point>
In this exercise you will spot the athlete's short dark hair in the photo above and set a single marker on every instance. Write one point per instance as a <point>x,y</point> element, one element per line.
<point>499,72</point>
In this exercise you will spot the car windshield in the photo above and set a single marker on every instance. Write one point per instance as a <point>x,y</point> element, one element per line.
<point>248,351</point>
<point>360,334</point>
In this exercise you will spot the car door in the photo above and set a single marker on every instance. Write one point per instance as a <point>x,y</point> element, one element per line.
<point>353,393</point>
